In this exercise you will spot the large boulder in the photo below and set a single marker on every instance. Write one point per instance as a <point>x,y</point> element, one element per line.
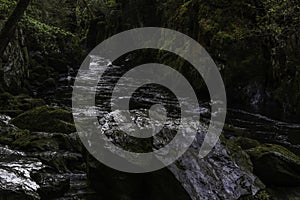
<point>275,165</point>
<point>45,165</point>
<point>245,143</point>
<point>46,118</point>
<point>112,184</point>
<point>225,173</point>
<point>60,151</point>
<point>15,170</point>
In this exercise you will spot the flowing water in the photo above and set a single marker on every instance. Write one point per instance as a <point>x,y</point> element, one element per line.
<point>194,174</point>
<point>238,122</point>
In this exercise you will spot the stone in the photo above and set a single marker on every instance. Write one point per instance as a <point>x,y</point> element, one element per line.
<point>52,185</point>
<point>47,119</point>
<point>275,165</point>
<point>15,105</point>
<point>245,143</point>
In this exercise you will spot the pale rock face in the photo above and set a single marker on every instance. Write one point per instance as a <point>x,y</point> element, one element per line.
<point>15,62</point>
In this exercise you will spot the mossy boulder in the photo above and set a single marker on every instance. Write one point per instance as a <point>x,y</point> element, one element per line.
<point>47,119</point>
<point>245,143</point>
<point>37,142</point>
<point>60,151</point>
<point>275,165</point>
<point>9,135</point>
<point>15,105</point>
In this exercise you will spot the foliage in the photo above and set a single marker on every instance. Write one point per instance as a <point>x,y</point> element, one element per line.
<point>44,37</point>
<point>5,8</point>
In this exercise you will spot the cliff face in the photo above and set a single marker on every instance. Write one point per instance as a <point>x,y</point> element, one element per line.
<point>15,60</point>
<point>14,66</point>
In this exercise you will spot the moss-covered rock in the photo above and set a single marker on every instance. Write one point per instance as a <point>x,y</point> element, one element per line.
<point>46,118</point>
<point>275,165</point>
<point>15,105</point>
<point>10,135</point>
<point>60,151</point>
<point>36,142</point>
<point>261,195</point>
<point>237,153</point>
<point>245,143</point>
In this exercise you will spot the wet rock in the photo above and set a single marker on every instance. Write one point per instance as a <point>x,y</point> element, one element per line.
<point>15,170</point>
<point>62,162</point>
<point>4,119</point>
<point>217,176</point>
<point>40,165</point>
<point>52,185</point>
<point>79,188</point>
<point>275,165</point>
<point>226,173</point>
<point>59,151</point>
<point>46,118</point>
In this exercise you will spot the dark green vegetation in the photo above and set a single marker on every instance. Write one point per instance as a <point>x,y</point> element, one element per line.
<point>255,43</point>
<point>46,119</point>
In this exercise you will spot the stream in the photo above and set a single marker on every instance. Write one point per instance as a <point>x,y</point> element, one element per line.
<point>238,122</point>
<point>193,174</point>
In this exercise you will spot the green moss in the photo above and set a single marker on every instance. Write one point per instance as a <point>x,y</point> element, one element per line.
<point>8,137</point>
<point>15,105</point>
<point>32,142</point>
<point>237,154</point>
<point>37,142</point>
<point>261,195</point>
<point>259,151</point>
<point>48,119</point>
<point>44,29</point>
<point>245,143</point>
<point>6,7</point>
<point>184,8</point>
<point>275,165</point>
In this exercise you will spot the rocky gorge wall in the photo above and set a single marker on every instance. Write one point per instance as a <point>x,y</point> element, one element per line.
<point>14,63</point>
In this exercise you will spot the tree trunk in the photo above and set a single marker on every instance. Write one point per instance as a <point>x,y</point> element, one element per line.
<point>10,26</point>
